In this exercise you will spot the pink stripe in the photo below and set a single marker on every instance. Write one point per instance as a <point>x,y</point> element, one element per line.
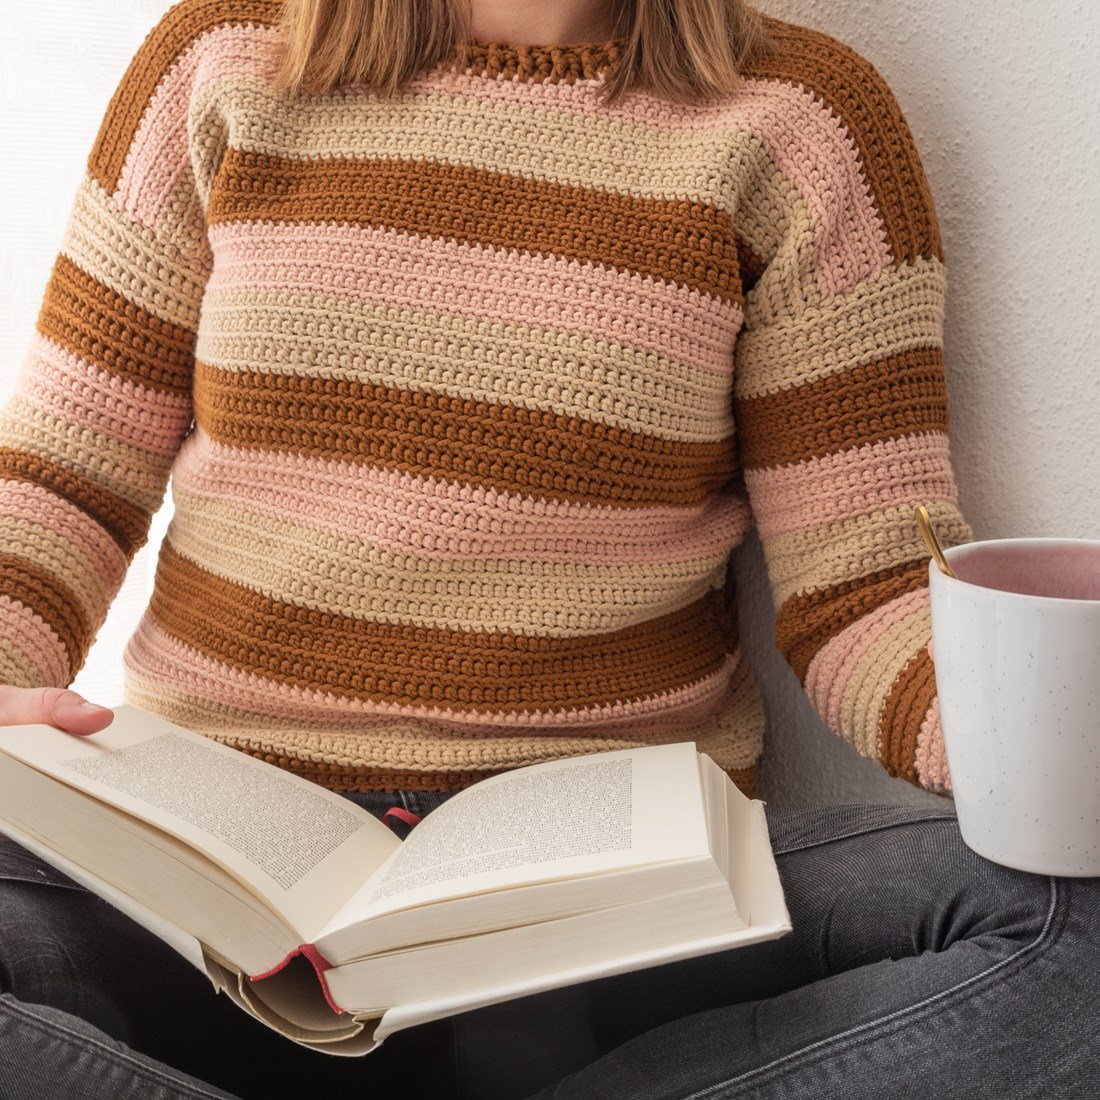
<point>24,500</point>
<point>159,154</point>
<point>805,139</point>
<point>855,482</point>
<point>158,659</point>
<point>931,756</point>
<point>396,270</point>
<point>833,665</point>
<point>445,519</point>
<point>62,384</point>
<point>35,639</point>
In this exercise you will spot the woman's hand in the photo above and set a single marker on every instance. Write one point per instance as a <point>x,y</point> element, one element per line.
<point>52,706</point>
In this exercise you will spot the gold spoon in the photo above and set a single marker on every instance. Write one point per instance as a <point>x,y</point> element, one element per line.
<point>929,535</point>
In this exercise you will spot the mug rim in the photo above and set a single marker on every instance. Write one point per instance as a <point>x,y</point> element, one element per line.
<point>961,549</point>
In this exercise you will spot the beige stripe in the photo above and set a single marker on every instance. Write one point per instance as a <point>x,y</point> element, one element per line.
<point>284,332</point>
<point>775,222</point>
<point>128,258</point>
<point>900,311</point>
<point>16,670</point>
<point>183,228</point>
<point>316,569</point>
<point>138,477</point>
<point>206,146</point>
<point>580,150</point>
<point>789,283</point>
<point>401,744</point>
<point>875,673</point>
<point>734,736</point>
<point>55,555</point>
<point>848,549</point>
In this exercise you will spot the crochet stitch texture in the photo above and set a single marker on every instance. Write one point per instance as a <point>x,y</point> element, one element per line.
<point>466,398</point>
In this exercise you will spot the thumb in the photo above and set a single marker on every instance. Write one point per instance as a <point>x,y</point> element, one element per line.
<point>52,706</point>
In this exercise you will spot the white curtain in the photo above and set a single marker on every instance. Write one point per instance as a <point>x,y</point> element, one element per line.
<point>60,60</point>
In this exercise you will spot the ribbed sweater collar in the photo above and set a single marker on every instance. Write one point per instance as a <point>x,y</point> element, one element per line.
<point>539,63</point>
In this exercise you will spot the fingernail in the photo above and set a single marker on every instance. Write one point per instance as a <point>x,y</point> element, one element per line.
<point>85,705</point>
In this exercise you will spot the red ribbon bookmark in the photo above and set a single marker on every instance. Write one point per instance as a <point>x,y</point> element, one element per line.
<point>399,814</point>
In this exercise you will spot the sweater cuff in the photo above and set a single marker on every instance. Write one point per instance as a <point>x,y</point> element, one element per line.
<point>931,758</point>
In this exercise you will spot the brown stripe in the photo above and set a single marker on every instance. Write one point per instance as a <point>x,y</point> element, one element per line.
<point>127,524</point>
<point>902,714</point>
<point>865,105</point>
<point>105,329</point>
<point>177,29</point>
<point>505,447</point>
<point>51,600</point>
<point>499,672</point>
<point>337,777</point>
<point>678,241</point>
<point>806,622</point>
<point>902,394</point>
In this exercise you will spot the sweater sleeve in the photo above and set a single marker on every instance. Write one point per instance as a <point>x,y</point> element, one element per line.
<point>840,397</point>
<point>103,396</point>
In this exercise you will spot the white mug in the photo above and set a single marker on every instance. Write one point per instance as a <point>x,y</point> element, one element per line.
<point>1016,650</point>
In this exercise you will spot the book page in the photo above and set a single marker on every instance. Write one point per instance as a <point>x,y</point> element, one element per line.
<point>563,819</point>
<point>582,812</point>
<point>303,849</point>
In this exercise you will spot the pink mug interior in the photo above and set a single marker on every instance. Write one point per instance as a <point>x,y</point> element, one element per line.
<point>1067,570</point>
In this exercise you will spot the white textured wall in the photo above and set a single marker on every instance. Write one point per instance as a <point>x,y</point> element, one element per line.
<point>1005,106</point>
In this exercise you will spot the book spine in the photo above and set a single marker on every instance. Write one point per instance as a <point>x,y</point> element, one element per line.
<point>315,959</point>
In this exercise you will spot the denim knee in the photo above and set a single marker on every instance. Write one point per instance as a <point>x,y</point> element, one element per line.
<point>39,916</point>
<point>895,881</point>
<point>36,965</point>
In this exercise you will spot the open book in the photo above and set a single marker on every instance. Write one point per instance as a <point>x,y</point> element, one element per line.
<point>317,919</point>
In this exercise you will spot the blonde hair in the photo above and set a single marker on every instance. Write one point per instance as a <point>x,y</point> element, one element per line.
<point>680,50</point>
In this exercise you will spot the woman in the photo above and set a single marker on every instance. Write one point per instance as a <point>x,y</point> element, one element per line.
<point>494,353</point>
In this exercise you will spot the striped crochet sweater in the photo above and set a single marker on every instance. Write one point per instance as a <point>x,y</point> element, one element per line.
<point>467,397</point>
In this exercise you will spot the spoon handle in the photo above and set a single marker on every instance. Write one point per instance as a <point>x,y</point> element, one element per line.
<point>928,533</point>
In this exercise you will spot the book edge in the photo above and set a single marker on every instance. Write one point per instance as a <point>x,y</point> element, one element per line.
<point>766,900</point>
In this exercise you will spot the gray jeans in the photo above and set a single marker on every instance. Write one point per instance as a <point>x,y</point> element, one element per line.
<point>915,969</point>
